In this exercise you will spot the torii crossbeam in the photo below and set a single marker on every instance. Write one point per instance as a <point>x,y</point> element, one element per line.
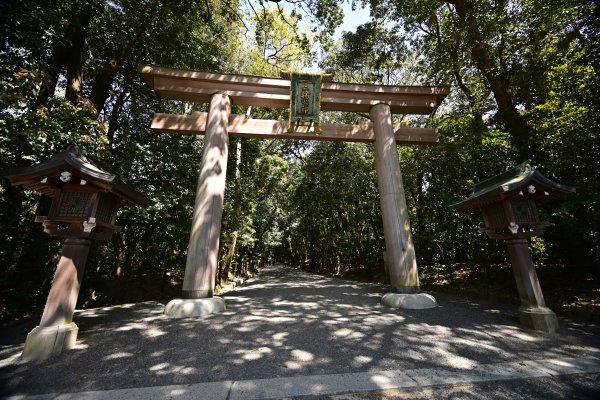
<point>223,90</point>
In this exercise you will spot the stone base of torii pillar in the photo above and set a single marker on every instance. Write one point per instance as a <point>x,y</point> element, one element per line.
<point>189,308</point>
<point>400,252</point>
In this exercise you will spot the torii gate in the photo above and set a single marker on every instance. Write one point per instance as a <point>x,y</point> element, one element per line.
<point>221,90</point>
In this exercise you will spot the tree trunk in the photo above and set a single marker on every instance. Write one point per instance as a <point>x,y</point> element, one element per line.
<point>114,116</point>
<point>499,83</point>
<point>149,254</point>
<point>117,257</point>
<point>237,207</point>
<point>105,77</point>
<point>76,38</point>
<point>51,73</point>
<point>478,124</point>
<point>67,50</point>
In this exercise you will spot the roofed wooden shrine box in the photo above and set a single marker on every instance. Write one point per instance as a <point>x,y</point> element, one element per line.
<point>508,203</point>
<point>86,195</point>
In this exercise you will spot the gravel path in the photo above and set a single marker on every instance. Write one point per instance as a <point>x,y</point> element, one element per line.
<point>283,323</point>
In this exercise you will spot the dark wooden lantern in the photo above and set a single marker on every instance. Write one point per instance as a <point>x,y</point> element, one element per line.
<point>86,194</point>
<point>508,203</point>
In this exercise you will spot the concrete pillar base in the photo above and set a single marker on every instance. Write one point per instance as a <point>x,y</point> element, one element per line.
<point>416,301</point>
<point>539,318</point>
<point>45,341</point>
<point>190,308</point>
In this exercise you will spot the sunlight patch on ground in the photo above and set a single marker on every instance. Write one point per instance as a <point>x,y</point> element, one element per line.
<point>153,332</point>
<point>80,346</point>
<point>476,343</point>
<point>279,338</point>
<point>251,354</point>
<point>115,356</point>
<point>159,367</point>
<point>305,305</point>
<point>302,355</point>
<point>168,369</point>
<point>361,360</point>
<point>300,359</point>
<point>459,362</point>
<point>10,359</point>
<point>131,326</point>
<point>348,334</point>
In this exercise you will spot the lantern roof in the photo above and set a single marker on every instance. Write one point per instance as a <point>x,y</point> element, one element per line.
<point>520,179</point>
<point>46,177</point>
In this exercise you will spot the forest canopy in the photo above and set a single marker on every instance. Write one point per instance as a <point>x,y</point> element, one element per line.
<point>524,78</point>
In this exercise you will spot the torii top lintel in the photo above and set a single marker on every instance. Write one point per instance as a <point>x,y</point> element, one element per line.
<point>245,90</point>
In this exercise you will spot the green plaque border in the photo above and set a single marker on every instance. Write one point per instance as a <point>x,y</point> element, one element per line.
<point>305,100</point>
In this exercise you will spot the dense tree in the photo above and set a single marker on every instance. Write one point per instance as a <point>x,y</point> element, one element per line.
<point>72,77</point>
<point>523,74</point>
<point>524,78</point>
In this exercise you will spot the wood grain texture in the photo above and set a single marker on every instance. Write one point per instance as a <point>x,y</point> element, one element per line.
<point>203,248</point>
<point>400,251</point>
<point>62,298</point>
<point>244,90</point>
<point>195,124</point>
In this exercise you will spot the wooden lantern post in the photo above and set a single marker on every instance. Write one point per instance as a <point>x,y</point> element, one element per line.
<point>508,203</point>
<point>86,195</point>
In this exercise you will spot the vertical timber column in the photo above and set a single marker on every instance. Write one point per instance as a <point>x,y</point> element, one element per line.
<point>62,298</point>
<point>396,226</point>
<point>203,248</point>
<point>533,311</point>
<point>57,331</point>
<point>528,285</point>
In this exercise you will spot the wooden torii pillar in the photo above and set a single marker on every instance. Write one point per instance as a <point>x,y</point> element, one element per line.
<point>221,90</point>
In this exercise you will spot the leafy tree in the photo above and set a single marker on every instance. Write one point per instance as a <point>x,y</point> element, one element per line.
<point>76,81</point>
<point>525,80</point>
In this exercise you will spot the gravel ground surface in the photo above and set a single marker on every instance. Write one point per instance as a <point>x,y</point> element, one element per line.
<point>285,322</point>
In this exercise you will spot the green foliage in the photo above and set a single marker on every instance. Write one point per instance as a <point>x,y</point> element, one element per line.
<point>568,126</point>
<point>29,135</point>
<point>120,36</point>
<point>525,78</point>
<point>275,42</point>
<point>525,85</point>
<point>335,221</point>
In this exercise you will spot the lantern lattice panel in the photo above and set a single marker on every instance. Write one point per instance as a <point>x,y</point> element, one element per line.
<point>107,207</point>
<point>495,215</point>
<point>73,204</point>
<point>524,212</point>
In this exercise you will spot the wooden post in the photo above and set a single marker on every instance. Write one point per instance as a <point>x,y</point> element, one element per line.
<point>203,248</point>
<point>528,285</point>
<point>57,331</point>
<point>396,226</point>
<point>533,311</point>
<point>62,298</point>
